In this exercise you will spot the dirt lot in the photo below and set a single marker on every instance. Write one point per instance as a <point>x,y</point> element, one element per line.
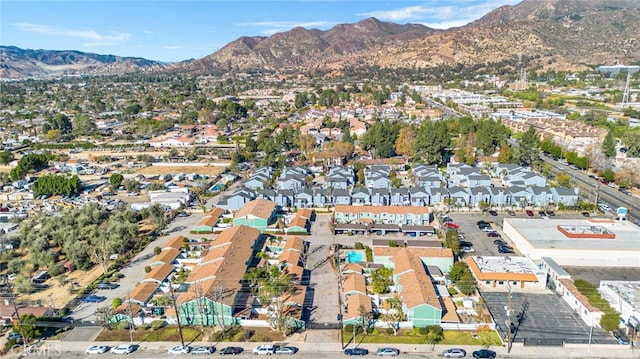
<point>60,295</point>
<point>201,170</point>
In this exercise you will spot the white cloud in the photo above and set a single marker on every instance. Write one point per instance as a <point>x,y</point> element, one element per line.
<point>175,47</point>
<point>97,38</point>
<point>440,14</point>
<point>148,32</point>
<point>272,27</point>
<point>406,13</point>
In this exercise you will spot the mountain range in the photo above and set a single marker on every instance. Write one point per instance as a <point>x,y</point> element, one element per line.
<point>549,34</point>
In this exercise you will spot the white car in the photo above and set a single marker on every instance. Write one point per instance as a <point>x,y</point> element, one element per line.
<point>454,353</point>
<point>179,350</point>
<point>467,250</point>
<point>96,349</point>
<point>266,349</point>
<point>122,349</point>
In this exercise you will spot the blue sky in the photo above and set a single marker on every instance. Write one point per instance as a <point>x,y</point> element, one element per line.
<point>168,31</point>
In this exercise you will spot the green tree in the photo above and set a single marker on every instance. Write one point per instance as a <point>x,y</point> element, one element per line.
<point>132,185</point>
<point>609,145</point>
<point>529,146</point>
<point>610,321</point>
<point>467,284</point>
<point>381,279</point>
<point>29,327</point>
<point>432,142</point>
<point>504,155</point>
<point>115,180</point>
<point>457,270</point>
<point>434,336</point>
<point>609,175</point>
<point>116,302</point>
<point>6,157</point>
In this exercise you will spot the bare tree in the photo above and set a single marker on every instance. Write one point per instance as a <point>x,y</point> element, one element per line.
<point>394,314</point>
<point>200,295</point>
<point>217,296</point>
<point>102,316</point>
<point>100,252</point>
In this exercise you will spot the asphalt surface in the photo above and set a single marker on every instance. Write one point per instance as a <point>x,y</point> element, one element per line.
<point>545,319</point>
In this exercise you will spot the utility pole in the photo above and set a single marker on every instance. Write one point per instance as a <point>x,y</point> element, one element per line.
<point>17,314</point>
<point>597,197</point>
<point>334,256</point>
<point>509,310</point>
<point>175,307</point>
<point>132,327</point>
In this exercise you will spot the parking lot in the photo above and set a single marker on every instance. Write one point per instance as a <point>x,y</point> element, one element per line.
<point>482,243</point>
<point>547,320</point>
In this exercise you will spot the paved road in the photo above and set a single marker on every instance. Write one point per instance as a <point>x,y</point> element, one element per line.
<point>332,350</point>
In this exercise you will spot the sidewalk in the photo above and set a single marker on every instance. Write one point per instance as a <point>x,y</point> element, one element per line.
<point>324,343</point>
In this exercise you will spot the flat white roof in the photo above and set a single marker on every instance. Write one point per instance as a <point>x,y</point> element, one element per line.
<point>629,291</point>
<point>543,234</point>
<point>507,264</point>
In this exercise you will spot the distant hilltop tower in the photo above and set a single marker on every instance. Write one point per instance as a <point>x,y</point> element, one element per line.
<point>522,83</point>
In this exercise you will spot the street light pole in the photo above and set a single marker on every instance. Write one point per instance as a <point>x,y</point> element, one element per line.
<point>509,310</point>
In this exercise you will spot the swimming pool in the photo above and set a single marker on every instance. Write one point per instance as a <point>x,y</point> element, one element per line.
<point>354,257</point>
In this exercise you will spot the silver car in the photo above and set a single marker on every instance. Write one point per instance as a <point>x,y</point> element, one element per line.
<point>454,353</point>
<point>383,352</point>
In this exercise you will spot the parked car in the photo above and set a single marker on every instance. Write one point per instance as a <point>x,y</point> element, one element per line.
<point>465,244</point>
<point>467,250</point>
<point>493,234</point>
<point>107,285</point>
<point>356,351</point>
<point>511,213</point>
<point>454,353</point>
<point>499,242</point>
<point>231,350</point>
<point>14,336</point>
<point>123,349</point>
<point>451,225</point>
<point>529,213</point>
<point>202,350</point>
<point>286,350</point>
<point>493,213</point>
<point>505,250</point>
<point>586,214</point>
<point>265,349</point>
<point>96,349</point>
<point>542,214</point>
<point>179,350</point>
<point>488,229</point>
<point>93,298</point>
<point>484,353</point>
<point>551,213</point>
<point>480,223</point>
<point>620,338</point>
<point>388,351</point>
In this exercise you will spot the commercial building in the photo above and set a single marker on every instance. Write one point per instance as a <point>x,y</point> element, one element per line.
<point>594,242</point>
<point>507,273</point>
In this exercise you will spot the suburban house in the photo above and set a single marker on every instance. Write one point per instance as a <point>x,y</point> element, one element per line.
<point>209,221</point>
<point>540,196</point>
<point>236,200</point>
<point>383,214</point>
<point>564,195</point>
<point>217,292</point>
<point>259,214</point>
<point>420,300</point>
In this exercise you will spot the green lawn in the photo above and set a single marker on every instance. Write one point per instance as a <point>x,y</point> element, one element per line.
<point>167,334</point>
<point>408,337</point>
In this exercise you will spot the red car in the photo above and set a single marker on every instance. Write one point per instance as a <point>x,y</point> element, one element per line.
<point>451,225</point>
<point>529,213</point>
